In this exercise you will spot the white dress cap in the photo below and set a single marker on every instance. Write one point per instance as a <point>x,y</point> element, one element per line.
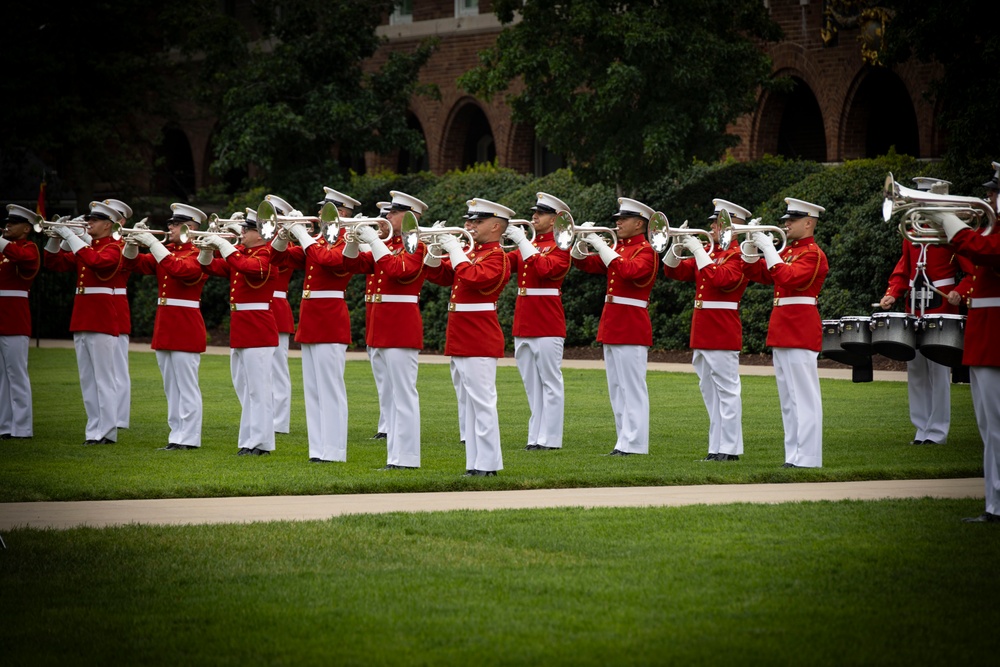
<point>548,204</point>
<point>931,184</point>
<point>734,210</point>
<point>17,213</point>
<point>251,216</point>
<point>339,199</point>
<point>187,214</point>
<point>384,207</point>
<point>801,209</point>
<point>120,206</point>
<point>404,202</point>
<point>101,209</point>
<point>628,208</point>
<point>281,207</point>
<point>483,208</point>
<point>994,182</point>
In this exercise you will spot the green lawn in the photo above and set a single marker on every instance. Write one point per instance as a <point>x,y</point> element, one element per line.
<point>866,428</point>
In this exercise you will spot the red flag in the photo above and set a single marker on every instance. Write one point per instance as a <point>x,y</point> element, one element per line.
<point>40,208</point>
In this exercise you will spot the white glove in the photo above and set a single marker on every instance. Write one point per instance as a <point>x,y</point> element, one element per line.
<point>671,259</point>
<point>63,230</point>
<point>701,258</point>
<point>144,238</point>
<point>431,260</point>
<point>302,236</point>
<point>82,233</point>
<point>351,249</point>
<point>52,245</point>
<point>225,247</point>
<point>951,223</point>
<point>515,234</point>
<point>378,248</point>
<point>205,256</point>
<point>750,259</point>
<point>280,241</point>
<point>130,251</point>
<point>766,245</point>
<point>74,242</point>
<point>451,245</point>
<point>3,243</point>
<point>366,234</point>
<point>158,251</point>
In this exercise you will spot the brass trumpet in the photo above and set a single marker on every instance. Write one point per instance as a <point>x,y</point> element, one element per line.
<point>140,227</point>
<point>918,207</point>
<point>728,230</point>
<point>350,226</point>
<point>529,227</point>
<point>663,237</point>
<point>47,227</point>
<point>413,234</point>
<point>569,235</point>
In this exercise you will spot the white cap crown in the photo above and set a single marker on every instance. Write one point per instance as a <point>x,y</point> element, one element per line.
<point>339,199</point>
<point>120,206</point>
<point>632,207</point>
<point>546,203</point>
<point>281,207</point>
<point>798,208</point>
<point>404,202</point>
<point>735,210</point>
<point>15,213</point>
<point>483,208</point>
<point>187,214</point>
<point>113,214</point>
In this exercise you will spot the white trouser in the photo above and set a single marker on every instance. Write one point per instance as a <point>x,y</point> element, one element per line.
<point>95,361</point>
<point>180,384</point>
<point>123,380</point>
<point>281,386</point>
<point>403,418</point>
<point>378,372</point>
<point>719,380</point>
<point>326,400</point>
<point>456,381</point>
<point>929,387</point>
<point>251,369</point>
<point>478,379</point>
<point>626,370</point>
<point>801,405</point>
<point>540,362</point>
<point>985,382</point>
<point>15,387</point>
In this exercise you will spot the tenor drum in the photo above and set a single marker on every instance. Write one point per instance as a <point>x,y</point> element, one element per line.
<point>894,335</point>
<point>832,348</point>
<point>941,338</point>
<point>856,335</point>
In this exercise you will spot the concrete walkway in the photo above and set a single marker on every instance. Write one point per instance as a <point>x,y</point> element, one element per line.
<point>745,370</point>
<point>188,511</point>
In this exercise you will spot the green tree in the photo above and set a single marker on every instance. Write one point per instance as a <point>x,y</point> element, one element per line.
<point>300,106</point>
<point>628,91</point>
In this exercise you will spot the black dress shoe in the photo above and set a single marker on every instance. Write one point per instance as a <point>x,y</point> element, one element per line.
<point>711,457</point>
<point>260,452</point>
<point>244,451</point>
<point>379,436</point>
<point>91,442</point>
<point>469,473</point>
<point>727,457</point>
<point>105,441</point>
<point>169,448</point>
<point>315,460</point>
<point>4,436</point>
<point>791,465</point>
<point>618,452</point>
<point>543,448</point>
<point>486,473</point>
<point>985,517</point>
<point>531,448</point>
<point>917,442</point>
<point>931,442</point>
<point>173,446</point>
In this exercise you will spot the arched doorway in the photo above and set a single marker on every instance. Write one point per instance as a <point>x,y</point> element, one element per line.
<point>791,124</point>
<point>880,116</point>
<point>468,139</point>
<point>173,173</point>
<point>408,162</point>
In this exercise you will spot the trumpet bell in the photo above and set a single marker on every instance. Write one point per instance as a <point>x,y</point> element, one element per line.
<point>409,228</point>
<point>569,235</point>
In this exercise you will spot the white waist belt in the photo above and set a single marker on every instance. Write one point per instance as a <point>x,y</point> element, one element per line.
<point>990,302</point>
<point>796,301</point>
<point>182,303</point>
<point>95,290</point>
<point>322,294</point>
<point>395,298</point>
<point>625,301</point>
<point>470,307</point>
<point>249,306</point>
<point>718,305</point>
<point>120,291</point>
<point>14,292</point>
<point>537,291</point>
<point>280,295</point>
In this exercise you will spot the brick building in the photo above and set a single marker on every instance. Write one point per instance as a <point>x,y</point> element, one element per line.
<point>840,108</point>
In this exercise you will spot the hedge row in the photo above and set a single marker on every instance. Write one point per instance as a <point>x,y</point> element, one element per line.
<point>861,248</point>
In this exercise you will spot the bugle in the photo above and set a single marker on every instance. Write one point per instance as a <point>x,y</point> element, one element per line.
<point>529,233</point>
<point>569,235</point>
<point>140,227</point>
<point>47,227</point>
<point>663,237</point>
<point>728,230</point>
<point>918,207</point>
<point>413,234</point>
<point>268,220</point>
<point>230,229</point>
<point>350,227</point>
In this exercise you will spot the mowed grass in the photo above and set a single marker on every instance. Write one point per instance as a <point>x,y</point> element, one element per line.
<point>866,431</point>
<point>848,583</point>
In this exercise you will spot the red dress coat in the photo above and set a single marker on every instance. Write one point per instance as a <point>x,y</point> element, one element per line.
<point>390,322</point>
<point>293,258</point>
<point>19,264</point>
<point>478,281</point>
<point>120,284</point>
<point>942,269</point>
<point>179,277</point>
<point>251,281</point>
<point>97,266</point>
<point>800,275</point>
<point>323,314</point>
<point>540,314</point>
<point>983,322</point>
<point>721,282</point>
<point>630,276</point>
